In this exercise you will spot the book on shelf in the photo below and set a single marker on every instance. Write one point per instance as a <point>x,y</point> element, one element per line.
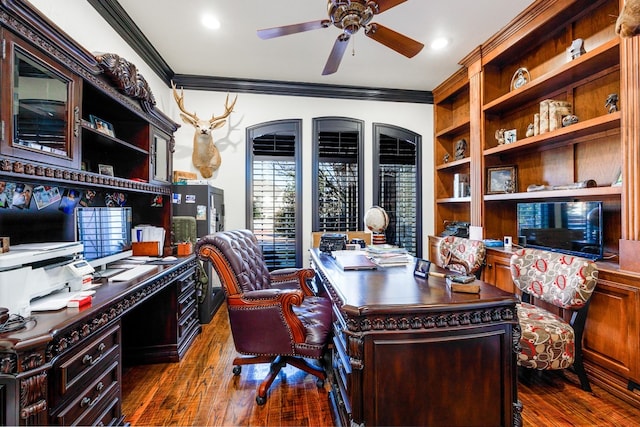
<point>461,187</point>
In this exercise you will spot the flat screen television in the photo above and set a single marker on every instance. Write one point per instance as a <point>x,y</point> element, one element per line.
<point>570,227</point>
<point>105,234</point>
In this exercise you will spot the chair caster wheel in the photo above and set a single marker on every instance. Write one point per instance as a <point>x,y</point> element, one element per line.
<point>237,370</point>
<point>261,400</point>
<point>320,383</point>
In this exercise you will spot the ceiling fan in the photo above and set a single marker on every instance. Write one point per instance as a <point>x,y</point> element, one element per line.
<point>350,16</point>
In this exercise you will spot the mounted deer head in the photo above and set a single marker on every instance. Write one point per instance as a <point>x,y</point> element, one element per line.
<point>205,157</point>
<point>628,23</point>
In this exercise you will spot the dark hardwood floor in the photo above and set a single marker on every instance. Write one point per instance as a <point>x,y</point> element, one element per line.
<point>202,391</point>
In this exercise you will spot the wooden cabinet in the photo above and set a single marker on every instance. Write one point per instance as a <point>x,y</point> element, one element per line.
<point>555,155</point>
<point>497,270</point>
<point>65,368</point>
<point>77,122</point>
<point>452,169</point>
<point>43,96</point>
<point>598,147</point>
<point>86,382</point>
<point>612,334</point>
<point>146,343</point>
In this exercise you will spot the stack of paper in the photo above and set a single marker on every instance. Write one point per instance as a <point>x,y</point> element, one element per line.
<point>389,255</point>
<point>148,233</point>
<point>353,260</point>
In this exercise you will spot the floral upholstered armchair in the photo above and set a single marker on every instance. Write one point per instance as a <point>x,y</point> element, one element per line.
<point>567,282</point>
<point>461,255</point>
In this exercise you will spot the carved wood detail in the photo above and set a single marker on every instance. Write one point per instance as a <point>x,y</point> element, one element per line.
<point>33,395</point>
<point>126,76</point>
<point>441,320</point>
<point>73,176</point>
<point>8,363</point>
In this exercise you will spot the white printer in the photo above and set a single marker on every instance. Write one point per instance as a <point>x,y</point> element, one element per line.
<point>34,270</point>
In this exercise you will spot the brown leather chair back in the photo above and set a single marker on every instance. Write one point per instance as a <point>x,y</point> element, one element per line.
<point>240,252</point>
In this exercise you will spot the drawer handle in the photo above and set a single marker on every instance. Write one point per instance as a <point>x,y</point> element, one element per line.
<point>89,360</point>
<point>87,401</point>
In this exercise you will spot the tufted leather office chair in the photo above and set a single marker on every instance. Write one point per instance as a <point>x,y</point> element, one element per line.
<point>275,317</point>
<point>461,255</point>
<point>567,282</point>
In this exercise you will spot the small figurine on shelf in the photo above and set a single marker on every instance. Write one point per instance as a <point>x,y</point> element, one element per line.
<point>500,136</point>
<point>576,49</point>
<point>529,130</point>
<point>445,158</point>
<point>460,148</point>
<point>569,119</point>
<point>612,103</point>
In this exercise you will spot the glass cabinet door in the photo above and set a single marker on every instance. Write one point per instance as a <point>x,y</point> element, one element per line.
<point>42,108</point>
<point>160,157</point>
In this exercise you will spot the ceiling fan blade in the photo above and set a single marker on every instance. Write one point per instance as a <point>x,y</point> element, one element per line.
<point>384,5</point>
<point>269,33</point>
<point>394,40</point>
<point>335,57</point>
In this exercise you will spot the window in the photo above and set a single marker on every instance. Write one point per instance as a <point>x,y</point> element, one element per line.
<point>337,189</point>
<point>397,184</point>
<point>274,182</point>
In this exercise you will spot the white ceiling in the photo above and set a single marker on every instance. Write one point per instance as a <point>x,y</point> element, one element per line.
<point>174,29</point>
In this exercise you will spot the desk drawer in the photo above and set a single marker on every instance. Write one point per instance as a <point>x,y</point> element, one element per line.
<point>187,300</point>
<point>187,322</point>
<point>79,367</point>
<point>341,365</point>
<point>90,404</point>
<point>186,283</point>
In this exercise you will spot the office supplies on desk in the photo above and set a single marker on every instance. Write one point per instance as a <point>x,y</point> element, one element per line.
<point>353,260</point>
<point>131,273</point>
<point>34,270</point>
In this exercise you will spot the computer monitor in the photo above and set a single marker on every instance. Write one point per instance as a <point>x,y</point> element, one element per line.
<point>105,234</point>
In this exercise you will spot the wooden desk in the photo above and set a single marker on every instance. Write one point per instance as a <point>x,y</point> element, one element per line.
<point>407,351</point>
<point>65,366</point>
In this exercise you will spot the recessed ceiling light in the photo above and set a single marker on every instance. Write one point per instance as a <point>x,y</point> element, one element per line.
<point>439,43</point>
<point>210,22</point>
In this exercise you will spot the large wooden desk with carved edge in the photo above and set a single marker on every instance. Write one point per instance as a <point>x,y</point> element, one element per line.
<point>407,351</point>
<point>65,366</point>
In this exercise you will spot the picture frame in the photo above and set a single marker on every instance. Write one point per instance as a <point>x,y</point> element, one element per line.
<point>105,170</point>
<point>502,180</point>
<point>101,125</point>
<point>510,136</point>
<point>422,267</point>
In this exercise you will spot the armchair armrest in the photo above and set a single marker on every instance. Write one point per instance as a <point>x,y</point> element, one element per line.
<point>282,300</point>
<point>293,278</point>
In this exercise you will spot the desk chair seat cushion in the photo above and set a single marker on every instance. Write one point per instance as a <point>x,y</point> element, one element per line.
<point>547,341</point>
<point>461,255</point>
<point>260,326</point>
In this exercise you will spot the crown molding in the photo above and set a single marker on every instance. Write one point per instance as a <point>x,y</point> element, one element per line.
<point>121,22</point>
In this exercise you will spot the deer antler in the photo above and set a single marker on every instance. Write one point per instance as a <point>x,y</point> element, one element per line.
<point>191,117</point>
<point>228,109</point>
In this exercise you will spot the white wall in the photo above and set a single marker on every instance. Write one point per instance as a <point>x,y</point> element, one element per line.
<point>84,24</point>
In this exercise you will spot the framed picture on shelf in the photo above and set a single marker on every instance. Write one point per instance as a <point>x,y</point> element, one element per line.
<point>502,180</point>
<point>105,170</point>
<point>422,267</point>
<point>101,126</point>
<point>510,136</point>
